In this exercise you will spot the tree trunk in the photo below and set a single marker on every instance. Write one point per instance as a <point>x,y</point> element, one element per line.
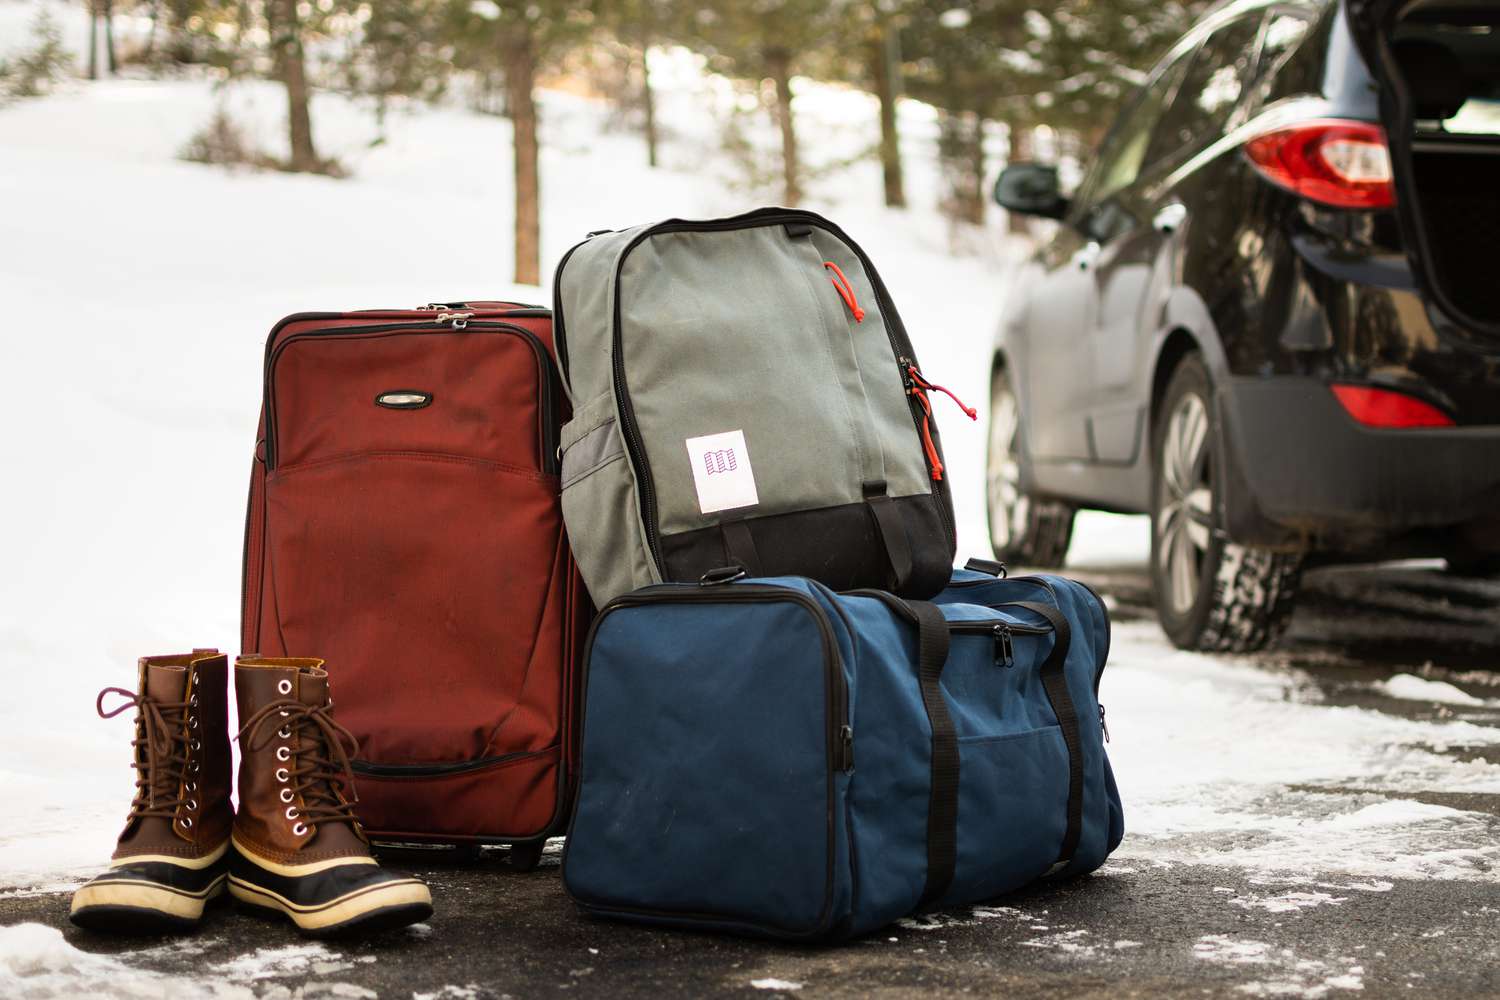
<point>291,61</point>
<point>648,100</point>
<point>977,200</point>
<point>1020,152</point>
<point>883,69</point>
<point>779,63</point>
<point>519,57</point>
<point>93,40</point>
<point>109,34</point>
<point>150,55</point>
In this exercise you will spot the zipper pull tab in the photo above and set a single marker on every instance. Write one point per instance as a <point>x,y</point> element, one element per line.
<point>846,749</point>
<point>1103,726</point>
<point>926,386</point>
<point>1005,650</point>
<point>845,290</point>
<point>458,320</point>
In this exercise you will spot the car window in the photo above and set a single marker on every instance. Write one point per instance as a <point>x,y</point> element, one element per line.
<point>1279,38</point>
<point>1123,154</point>
<point>1210,91</point>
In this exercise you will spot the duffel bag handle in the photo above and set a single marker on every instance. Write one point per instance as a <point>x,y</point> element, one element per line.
<point>1055,683</point>
<point>942,803</point>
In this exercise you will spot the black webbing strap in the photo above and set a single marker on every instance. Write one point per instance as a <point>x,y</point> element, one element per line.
<point>942,803</point>
<point>1055,683</point>
<point>739,546</point>
<point>893,535</point>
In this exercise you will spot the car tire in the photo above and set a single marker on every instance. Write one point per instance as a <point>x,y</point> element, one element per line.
<point>1025,530</point>
<point>1211,594</point>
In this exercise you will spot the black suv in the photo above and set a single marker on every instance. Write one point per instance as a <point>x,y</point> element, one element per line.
<point>1270,314</point>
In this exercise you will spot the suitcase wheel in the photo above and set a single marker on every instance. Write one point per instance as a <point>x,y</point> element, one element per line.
<point>526,857</point>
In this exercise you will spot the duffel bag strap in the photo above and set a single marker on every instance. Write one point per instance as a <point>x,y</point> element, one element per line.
<point>892,534</point>
<point>942,803</point>
<point>1055,683</point>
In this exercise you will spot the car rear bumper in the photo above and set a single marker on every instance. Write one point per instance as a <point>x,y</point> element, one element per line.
<point>1300,472</point>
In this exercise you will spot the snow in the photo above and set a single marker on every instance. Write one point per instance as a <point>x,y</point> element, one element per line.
<point>37,964</point>
<point>776,984</point>
<point>1414,688</point>
<point>141,289</point>
<point>1247,769</point>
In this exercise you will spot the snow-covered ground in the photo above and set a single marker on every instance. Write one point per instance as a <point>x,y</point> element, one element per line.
<point>139,290</point>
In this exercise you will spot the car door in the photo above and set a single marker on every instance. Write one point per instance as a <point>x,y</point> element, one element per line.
<point>1062,310</point>
<point>1137,224</point>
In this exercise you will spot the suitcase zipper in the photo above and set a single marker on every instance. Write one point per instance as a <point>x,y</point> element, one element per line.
<point>447,321</point>
<point>374,770</point>
<point>840,735</point>
<point>895,332</point>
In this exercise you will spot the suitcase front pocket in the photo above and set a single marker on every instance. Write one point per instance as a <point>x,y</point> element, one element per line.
<point>395,568</point>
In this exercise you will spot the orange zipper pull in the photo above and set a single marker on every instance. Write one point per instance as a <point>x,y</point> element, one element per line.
<point>934,461</point>
<point>845,290</point>
<point>921,383</point>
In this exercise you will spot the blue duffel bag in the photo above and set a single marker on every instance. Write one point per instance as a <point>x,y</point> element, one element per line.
<point>766,756</point>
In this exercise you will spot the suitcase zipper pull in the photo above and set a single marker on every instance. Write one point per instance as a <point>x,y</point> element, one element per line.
<point>846,748</point>
<point>845,290</point>
<point>1005,650</point>
<point>458,320</point>
<point>1103,726</point>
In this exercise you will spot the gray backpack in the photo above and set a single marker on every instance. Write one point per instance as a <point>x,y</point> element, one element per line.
<point>744,394</point>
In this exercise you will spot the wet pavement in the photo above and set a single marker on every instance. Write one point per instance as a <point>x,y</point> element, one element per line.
<point>1406,646</point>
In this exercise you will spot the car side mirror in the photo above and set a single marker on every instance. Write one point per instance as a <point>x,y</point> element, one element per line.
<point>1030,189</point>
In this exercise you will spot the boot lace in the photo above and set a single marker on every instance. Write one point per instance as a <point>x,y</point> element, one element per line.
<point>162,744</point>
<point>319,769</point>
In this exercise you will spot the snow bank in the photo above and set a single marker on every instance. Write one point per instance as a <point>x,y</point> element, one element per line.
<point>37,964</point>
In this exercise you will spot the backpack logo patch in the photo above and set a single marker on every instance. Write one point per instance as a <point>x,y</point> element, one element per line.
<point>721,471</point>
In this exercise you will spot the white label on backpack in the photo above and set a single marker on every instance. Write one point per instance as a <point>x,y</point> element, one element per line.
<point>721,471</point>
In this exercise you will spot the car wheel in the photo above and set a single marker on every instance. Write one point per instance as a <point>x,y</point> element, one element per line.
<point>1024,530</point>
<point>1211,593</point>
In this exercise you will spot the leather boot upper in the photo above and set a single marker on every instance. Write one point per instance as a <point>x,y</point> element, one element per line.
<point>181,807</point>
<point>294,764</point>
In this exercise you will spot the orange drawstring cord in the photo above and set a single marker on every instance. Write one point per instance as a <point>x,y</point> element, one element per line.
<point>845,290</point>
<point>922,383</point>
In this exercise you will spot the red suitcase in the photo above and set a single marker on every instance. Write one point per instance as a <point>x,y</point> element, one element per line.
<point>404,525</point>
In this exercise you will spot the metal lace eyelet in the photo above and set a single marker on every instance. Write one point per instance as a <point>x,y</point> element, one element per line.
<point>286,795</point>
<point>299,829</point>
<point>192,805</point>
<point>283,754</point>
<point>193,701</point>
<point>283,713</point>
<point>285,734</point>
<point>284,686</point>
<point>291,812</point>
<point>192,722</point>
<point>192,786</point>
<point>195,745</point>
<point>283,775</point>
<point>197,766</point>
<point>187,822</point>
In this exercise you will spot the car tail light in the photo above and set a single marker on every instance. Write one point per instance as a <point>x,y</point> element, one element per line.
<point>1345,164</point>
<point>1388,408</point>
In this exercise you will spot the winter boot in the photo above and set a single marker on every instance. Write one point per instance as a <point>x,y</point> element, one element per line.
<point>173,855</point>
<point>298,850</point>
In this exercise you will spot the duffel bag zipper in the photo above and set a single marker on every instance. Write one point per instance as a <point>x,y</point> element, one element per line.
<point>443,322</point>
<point>376,770</point>
<point>840,734</point>
<point>635,447</point>
<point>1004,633</point>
